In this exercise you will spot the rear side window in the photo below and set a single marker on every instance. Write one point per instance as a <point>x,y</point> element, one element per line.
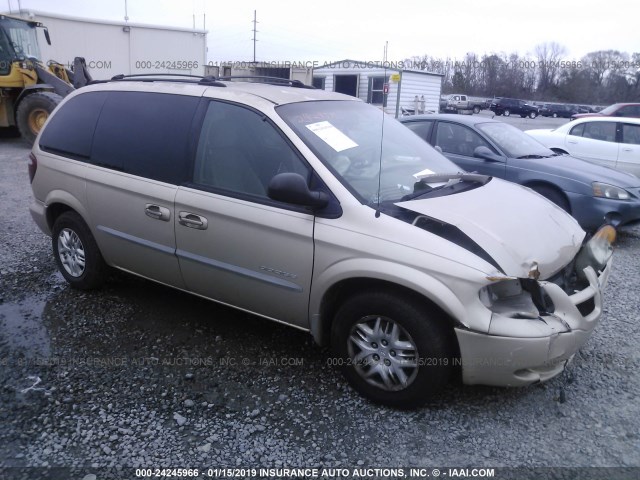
<point>422,129</point>
<point>69,132</point>
<point>631,134</point>
<point>145,134</point>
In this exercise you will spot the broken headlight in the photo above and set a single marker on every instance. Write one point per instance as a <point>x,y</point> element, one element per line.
<point>510,299</point>
<point>597,251</point>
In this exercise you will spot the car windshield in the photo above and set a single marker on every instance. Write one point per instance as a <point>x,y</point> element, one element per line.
<point>355,140</point>
<point>611,109</point>
<point>513,141</point>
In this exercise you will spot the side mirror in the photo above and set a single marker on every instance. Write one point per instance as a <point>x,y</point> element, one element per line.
<point>292,188</point>
<point>438,148</point>
<point>486,154</point>
<point>46,35</point>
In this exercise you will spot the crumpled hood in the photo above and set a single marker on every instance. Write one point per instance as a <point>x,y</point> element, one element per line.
<point>514,225</point>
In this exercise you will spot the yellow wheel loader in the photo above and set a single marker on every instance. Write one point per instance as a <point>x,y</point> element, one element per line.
<point>29,90</point>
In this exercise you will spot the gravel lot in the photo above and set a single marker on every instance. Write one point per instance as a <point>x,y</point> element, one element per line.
<point>139,375</point>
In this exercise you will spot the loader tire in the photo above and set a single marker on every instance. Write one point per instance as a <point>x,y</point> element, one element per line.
<point>33,112</point>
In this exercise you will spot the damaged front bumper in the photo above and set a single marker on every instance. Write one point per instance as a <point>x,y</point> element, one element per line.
<point>521,350</point>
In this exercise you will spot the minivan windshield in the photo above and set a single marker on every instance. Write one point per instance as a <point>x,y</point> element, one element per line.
<point>358,142</point>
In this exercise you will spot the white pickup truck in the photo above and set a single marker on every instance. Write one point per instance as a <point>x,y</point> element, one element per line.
<point>458,103</point>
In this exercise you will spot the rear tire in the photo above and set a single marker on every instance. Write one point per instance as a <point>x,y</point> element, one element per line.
<point>555,115</point>
<point>76,252</point>
<point>33,112</point>
<point>506,113</point>
<point>533,115</point>
<point>391,349</point>
<point>476,109</point>
<point>554,195</point>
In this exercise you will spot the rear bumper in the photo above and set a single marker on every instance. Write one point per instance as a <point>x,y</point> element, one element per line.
<point>510,355</point>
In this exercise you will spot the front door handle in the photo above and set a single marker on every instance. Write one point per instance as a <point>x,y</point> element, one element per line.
<point>192,220</point>
<point>157,212</point>
<point>573,142</point>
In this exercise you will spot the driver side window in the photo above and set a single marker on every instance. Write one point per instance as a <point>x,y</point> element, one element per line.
<point>239,151</point>
<point>458,139</point>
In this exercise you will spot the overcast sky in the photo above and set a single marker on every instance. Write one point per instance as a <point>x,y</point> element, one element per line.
<point>331,30</point>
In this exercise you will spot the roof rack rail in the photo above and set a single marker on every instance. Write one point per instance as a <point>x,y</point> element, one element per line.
<point>208,80</point>
<point>167,77</point>
<point>266,79</point>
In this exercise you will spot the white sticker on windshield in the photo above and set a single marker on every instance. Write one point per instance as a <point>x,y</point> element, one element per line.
<point>423,173</point>
<point>332,136</point>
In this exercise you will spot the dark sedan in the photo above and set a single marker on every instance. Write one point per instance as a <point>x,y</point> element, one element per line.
<point>593,194</point>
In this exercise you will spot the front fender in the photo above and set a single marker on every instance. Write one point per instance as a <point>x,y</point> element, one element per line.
<point>405,276</point>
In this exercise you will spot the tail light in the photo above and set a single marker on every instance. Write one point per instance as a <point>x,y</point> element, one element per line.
<point>33,166</point>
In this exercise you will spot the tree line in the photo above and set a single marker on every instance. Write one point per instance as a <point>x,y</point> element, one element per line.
<point>599,78</point>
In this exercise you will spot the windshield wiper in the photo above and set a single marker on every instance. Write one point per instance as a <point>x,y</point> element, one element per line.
<point>532,156</point>
<point>445,177</point>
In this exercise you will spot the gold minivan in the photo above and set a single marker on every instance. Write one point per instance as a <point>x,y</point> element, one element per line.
<point>322,212</point>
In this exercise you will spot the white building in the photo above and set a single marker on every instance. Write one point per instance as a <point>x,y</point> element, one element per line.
<point>111,48</point>
<point>392,88</point>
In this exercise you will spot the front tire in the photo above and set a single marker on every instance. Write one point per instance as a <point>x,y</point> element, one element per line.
<point>506,113</point>
<point>33,112</point>
<point>555,115</point>
<point>533,115</point>
<point>76,252</point>
<point>391,349</point>
<point>476,109</point>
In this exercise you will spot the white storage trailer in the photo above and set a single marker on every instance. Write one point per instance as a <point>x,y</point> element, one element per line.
<point>393,89</point>
<point>111,48</point>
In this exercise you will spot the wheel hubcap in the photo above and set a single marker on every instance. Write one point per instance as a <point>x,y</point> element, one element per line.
<point>71,252</point>
<point>383,353</point>
<point>37,118</point>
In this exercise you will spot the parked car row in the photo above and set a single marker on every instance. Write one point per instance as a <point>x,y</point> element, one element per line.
<point>319,211</point>
<point>592,193</point>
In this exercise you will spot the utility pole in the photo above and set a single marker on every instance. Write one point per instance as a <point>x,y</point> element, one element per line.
<point>254,36</point>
